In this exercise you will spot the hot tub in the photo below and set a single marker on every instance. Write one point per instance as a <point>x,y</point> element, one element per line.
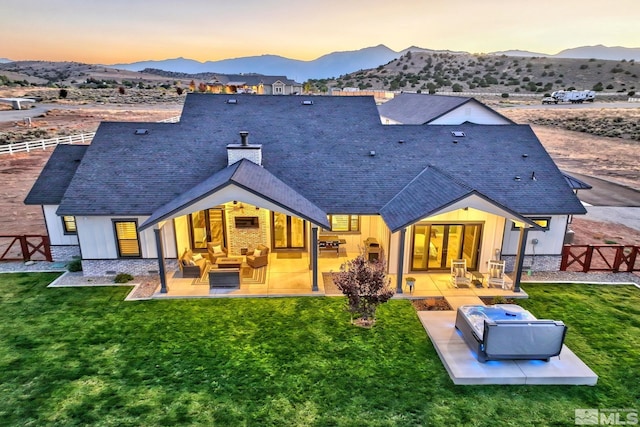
<point>477,314</point>
<point>507,331</point>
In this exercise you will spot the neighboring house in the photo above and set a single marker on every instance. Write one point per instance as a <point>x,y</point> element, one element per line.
<point>253,83</point>
<point>422,109</point>
<point>280,171</point>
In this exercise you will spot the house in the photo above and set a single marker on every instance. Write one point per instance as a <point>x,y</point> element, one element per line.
<point>241,170</point>
<point>423,109</point>
<point>254,84</point>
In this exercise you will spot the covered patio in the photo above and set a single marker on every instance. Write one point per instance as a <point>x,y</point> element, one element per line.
<point>285,276</point>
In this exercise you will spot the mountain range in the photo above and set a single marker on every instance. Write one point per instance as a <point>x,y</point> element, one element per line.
<point>338,63</point>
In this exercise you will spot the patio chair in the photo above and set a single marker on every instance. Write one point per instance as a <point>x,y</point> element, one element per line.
<point>496,274</point>
<point>459,274</point>
<point>215,251</point>
<point>258,257</point>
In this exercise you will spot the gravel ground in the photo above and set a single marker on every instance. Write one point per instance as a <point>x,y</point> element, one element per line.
<point>144,286</point>
<point>579,277</point>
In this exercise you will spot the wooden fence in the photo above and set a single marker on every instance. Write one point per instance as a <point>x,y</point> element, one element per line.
<point>25,248</point>
<point>614,258</point>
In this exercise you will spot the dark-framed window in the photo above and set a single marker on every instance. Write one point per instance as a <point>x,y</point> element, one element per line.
<point>127,240</point>
<point>69,224</point>
<point>344,223</point>
<point>543,222</point>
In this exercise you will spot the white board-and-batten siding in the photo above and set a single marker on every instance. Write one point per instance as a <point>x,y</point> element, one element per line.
<point>97,237</point>
<point>550,242</point>
<point>55,228</point>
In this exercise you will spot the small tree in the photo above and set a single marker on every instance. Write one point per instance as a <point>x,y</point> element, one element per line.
<point>63,93</point>
<point>366,286</point>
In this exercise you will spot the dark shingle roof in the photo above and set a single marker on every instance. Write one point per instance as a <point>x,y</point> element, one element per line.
<point>251,79</point>
<point>56,175</point>
<point>420,109</point>
<point>575,183</point>
<point>322,151</point>
<point>252,178</point>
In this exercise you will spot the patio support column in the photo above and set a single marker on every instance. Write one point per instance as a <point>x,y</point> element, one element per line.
<point>522,245</point>
<point>403,234</point>
<point>314,258</point>
<point>161,266</point>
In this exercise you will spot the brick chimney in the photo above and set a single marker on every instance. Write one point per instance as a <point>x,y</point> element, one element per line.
<point>244,150</point>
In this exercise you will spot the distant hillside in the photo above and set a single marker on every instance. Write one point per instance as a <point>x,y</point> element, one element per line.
<point>520,53</point>
<point>440,72</point>
<point>614,53</point>
<point>76,74</point>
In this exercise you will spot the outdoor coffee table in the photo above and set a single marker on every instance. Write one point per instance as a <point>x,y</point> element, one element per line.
<point>229,262</point>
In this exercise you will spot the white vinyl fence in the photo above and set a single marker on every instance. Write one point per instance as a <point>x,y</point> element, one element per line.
<point>43,144</point>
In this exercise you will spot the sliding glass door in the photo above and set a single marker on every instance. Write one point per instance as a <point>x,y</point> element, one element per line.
<point>435,245</point>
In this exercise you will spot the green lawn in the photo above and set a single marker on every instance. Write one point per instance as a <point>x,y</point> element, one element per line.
<point>84,356</point>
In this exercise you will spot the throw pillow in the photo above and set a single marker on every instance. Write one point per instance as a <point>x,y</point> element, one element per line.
<point>197,257</point>
<point>217,249</point>
<point>459,272</point>
<point>257,252</point>
<point>494,273</point>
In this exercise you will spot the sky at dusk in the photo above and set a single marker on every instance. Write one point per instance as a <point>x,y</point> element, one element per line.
<point>119,31</point>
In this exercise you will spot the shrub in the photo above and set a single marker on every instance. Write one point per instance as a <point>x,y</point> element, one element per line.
<point>63,93</point>
<point>505,95</point>
<point>499,300</point>
<point>366,285</point>
<point>123,278</point>
<point>631,93</point>
<point>74,266</point>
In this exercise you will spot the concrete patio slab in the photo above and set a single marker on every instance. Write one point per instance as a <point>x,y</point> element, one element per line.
<point>457,301</point>
<point>464,369</point>
<point>567,368</point>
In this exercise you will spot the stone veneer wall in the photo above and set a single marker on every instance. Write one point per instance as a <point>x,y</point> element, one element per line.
<point>240,238</point>
<point>65,253</point>
<point>539,263</point>
<point>135,267</point>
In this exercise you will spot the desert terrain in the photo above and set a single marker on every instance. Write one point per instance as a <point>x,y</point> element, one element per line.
<point>613,159</point>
